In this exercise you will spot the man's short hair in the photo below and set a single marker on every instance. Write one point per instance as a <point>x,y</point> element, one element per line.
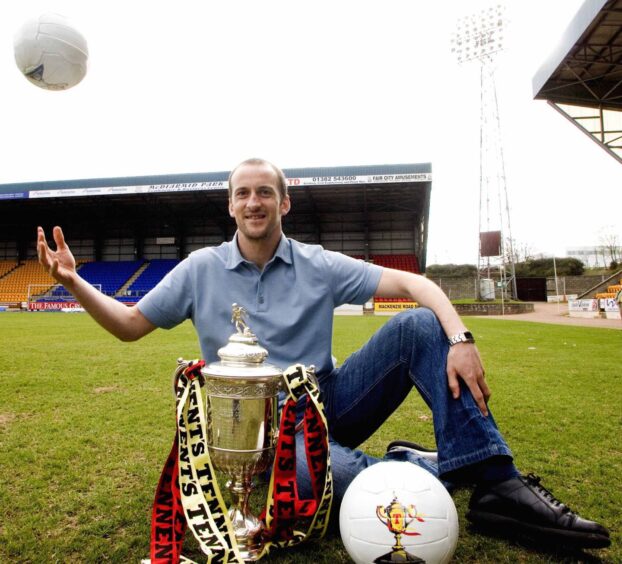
<point>280,175</point>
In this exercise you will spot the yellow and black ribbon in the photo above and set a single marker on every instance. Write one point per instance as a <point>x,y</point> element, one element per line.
<point>188,495</point>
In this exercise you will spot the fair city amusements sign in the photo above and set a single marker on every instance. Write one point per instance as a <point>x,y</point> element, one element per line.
<point>222,185</point>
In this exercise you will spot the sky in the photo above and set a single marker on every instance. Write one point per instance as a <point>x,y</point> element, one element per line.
<point>198,86</point>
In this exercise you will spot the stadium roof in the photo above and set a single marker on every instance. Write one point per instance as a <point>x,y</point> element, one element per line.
<point>582,78</point>
<point>199,181</point>
<point>353,207</point>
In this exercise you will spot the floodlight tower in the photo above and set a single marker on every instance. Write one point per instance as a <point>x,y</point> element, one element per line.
<point>480,38</point>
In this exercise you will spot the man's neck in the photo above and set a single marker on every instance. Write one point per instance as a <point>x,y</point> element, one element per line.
<point>258,251</point>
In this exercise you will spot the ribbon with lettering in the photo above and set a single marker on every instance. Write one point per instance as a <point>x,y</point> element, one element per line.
<point>285,511</point>
<point>188,495</point>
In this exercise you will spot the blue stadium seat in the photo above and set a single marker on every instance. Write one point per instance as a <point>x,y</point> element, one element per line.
<point>112,275</point>
<point>156,270</point>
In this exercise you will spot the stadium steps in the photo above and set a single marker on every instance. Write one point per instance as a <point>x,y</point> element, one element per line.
<point>123,289</point>
<point>7,266</point>
<point>158,269</point>
<point>111,275</point>
<point>611,292</point>
<point>602,288</point>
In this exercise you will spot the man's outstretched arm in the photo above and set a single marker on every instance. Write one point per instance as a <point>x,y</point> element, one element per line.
<point>125,323</point>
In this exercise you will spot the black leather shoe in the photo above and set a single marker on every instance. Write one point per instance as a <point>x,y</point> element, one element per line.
<point>521,505</point>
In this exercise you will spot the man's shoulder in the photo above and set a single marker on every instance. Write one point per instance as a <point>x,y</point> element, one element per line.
<point>208,254</point>
<point>308,251</point>
<point>315,254</point>
<point>304,247</point>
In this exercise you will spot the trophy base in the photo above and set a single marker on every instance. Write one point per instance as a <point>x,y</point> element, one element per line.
<point>397,556</point>
<point>247,529</point>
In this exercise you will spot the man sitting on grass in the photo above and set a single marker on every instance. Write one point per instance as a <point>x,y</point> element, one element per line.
<point>290,291</point>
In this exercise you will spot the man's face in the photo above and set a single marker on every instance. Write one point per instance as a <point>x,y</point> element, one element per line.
<point>255,201</point>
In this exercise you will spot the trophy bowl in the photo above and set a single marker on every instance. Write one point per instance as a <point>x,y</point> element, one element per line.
<point>241,394</point>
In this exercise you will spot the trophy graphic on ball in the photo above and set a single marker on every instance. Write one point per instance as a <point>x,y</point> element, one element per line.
<point>397,518</point>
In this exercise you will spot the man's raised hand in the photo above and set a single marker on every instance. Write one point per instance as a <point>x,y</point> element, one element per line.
<point>59,263</point>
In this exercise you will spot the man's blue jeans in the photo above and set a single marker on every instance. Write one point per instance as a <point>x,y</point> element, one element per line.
<point>409,350</point>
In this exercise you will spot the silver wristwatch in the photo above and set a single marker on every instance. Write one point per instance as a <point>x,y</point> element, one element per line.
<point>466,337</point>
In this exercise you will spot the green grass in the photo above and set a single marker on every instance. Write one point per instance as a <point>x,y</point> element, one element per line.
<point>86,423</point>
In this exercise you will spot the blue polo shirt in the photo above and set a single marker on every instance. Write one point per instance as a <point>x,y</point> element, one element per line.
<point>290,302</point>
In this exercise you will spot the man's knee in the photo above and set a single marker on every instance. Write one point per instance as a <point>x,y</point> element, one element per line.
<point>419,318</point>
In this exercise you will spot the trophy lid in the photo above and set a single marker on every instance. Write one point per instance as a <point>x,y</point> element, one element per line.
<point>243,348</point>
<point>242,355</point>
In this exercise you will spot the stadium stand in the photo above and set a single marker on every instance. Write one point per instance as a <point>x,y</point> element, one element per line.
<point>110,275</point>
<point>611,292</point>
<point>407,262</point>
<point>154,272</point>
<point>6,266</point>
<point>14,285</point>
<point>399,262</point>
<point>116,277</point>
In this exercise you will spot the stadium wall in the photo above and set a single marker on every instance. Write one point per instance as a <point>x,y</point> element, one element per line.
<point>466,288</point>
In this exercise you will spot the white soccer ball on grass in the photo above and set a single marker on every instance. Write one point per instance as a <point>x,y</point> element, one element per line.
<point>398,504</point>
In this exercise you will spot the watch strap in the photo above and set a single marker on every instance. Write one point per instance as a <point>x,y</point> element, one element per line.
<point>464,337</point>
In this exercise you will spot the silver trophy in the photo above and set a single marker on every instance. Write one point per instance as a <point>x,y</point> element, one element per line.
<point>241,406</point>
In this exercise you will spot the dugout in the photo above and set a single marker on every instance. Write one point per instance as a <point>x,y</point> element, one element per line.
<point>362,211</point>
<point>532,289</point>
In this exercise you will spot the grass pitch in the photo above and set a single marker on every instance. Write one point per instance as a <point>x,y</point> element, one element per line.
<point>86,423</point>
